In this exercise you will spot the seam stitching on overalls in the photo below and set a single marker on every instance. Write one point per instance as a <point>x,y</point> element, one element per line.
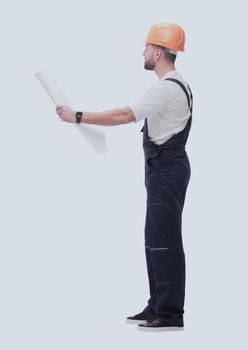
<point>159,248</point>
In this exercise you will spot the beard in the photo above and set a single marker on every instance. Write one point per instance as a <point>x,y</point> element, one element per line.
<point>149,65</point>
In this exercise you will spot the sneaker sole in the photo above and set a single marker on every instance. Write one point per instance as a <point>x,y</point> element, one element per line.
<point>159,329</point>
<point>135,321</point>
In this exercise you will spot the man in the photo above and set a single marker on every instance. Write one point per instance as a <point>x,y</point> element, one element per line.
<point>166,107</point>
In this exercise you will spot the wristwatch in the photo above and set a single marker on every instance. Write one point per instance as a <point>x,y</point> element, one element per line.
<point>79,116</point>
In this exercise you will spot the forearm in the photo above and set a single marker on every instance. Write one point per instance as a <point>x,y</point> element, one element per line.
<point>111,117</point>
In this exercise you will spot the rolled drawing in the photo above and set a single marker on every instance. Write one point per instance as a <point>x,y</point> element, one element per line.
<point>96,138</point>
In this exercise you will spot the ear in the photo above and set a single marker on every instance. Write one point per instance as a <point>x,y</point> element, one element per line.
<point>157,53</point>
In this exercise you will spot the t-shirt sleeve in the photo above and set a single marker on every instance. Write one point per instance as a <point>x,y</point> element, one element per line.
<point>155,99</point>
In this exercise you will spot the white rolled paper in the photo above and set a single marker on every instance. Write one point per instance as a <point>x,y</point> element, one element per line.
<point>96,138</point>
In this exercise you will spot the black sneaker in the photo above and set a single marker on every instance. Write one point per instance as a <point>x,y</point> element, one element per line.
<point>142,316</point>
<point>159,324</point>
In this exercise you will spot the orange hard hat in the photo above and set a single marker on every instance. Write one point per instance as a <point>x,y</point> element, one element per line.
<point>167,35</point>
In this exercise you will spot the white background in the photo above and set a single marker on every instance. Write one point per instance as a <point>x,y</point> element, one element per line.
<point>72,262</point>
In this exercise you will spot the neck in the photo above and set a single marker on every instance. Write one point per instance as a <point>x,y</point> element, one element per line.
<point>162,70</point>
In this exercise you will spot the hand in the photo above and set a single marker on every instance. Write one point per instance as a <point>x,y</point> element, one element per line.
<point>66,114</point>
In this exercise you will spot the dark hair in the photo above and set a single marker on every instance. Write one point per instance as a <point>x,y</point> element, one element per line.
<point>170,57</point>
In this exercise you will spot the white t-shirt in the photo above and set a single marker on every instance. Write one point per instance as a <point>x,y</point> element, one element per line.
<point>166,107</point>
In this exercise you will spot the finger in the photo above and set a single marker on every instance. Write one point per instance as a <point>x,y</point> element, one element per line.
<point>59,107</point>
<point>59,112</point>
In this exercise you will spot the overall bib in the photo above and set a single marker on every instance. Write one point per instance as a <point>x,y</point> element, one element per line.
<point>167,174</point>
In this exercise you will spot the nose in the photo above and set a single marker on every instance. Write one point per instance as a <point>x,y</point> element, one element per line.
<point>145,48</point>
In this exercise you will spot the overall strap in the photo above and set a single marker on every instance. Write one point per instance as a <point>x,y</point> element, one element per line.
<point>186,92</point>
<point>189,98</point>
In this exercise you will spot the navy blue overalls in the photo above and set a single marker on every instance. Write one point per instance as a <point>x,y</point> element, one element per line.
<point>167,174</point>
